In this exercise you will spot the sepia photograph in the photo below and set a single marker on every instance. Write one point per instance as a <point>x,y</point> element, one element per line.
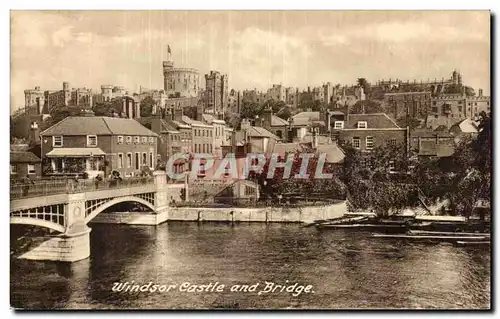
<point>250,160</point>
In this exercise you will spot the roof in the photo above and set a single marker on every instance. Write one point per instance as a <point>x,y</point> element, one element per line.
<point>76,151</point>
<point>278,121</point>
<point>209,118</point>
<point>256,131</point>
<point>189,121</point>
<point>374,120</point>
<point>431,148</point>
<point>308,115</point>
<point>336,113</point>
<point>97,125</point>
<point>168,126</point>
<point>464,126</point>
<point>23,157</point>
<point>322,139</point>
<point>334,153</point>
<point>283,148</point>
<point>429,133</point>
<point>180,124</point>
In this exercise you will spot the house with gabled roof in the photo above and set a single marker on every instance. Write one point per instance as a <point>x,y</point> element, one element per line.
<point>97,145</point>
<point>366,131</point>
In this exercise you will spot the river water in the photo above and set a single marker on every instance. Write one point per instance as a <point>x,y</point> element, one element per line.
<point>346,269</point>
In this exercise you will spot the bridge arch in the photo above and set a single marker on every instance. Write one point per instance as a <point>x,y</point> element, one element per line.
<point>115,201</point>
<point>37,222</point>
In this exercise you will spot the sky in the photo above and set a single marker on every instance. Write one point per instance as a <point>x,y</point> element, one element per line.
<point>254,48</point>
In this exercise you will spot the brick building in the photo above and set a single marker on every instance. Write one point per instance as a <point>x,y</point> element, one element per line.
<point>24,163</point>
<point>366,131</point>
<point>97,145</point>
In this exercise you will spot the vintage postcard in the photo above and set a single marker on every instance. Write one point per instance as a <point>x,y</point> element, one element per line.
<point>250,160</point>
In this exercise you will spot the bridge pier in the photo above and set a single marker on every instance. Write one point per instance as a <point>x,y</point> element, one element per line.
<point>63,247</point>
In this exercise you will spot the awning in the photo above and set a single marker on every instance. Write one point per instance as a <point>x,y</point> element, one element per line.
<point>76,152</point>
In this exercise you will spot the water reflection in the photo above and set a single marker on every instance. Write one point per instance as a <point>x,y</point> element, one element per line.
<point>348,269</point>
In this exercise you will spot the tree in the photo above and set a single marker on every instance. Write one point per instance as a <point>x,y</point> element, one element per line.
<point>108,108</point>
<point>412,123</point>
<point>147,106</point>
<point>191,112</point>
<point>362,82</point>
<point>250,110</point>
<point>306,101</point>
<point>279,185</point>
<point>463,178</point>
<point>284,113</point>
<point>378,180</point>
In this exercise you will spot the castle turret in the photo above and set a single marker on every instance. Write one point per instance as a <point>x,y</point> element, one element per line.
<point>454,77</point>
<point>168,64</point>
<point>67,93</point>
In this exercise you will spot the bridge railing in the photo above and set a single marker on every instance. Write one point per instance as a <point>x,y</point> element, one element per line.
<point>70,186</point>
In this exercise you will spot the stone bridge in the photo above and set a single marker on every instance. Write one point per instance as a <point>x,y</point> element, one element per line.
<point>67,209</point>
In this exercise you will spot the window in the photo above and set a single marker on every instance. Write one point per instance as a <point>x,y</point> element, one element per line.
<point>136,139</point>
<point>120,160</point>
<point>362,124</point>
<point>120,139</point>
<point>129,139</point>
<point>202,170</point>
<point>339,125</point>
<point>144,140</point>
<point>137,159</point>
<point>144,159</point>
<point>31,169</point>
<point>392,141</point>
<point>369,142</point>
<point>129,160</point>
<point>356,142</point>
<point>57,141</point>
<point>13,169</point>
<point>91,140</point>
<point>151,161</point>
<point>151,140</point>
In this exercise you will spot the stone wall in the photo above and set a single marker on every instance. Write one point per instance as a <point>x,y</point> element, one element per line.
<point>272,214</point>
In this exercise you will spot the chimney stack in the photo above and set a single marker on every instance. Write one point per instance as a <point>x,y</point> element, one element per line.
<point>34,132</point>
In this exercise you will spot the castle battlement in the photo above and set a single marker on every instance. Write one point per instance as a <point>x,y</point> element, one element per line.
<point>450,97</point>
<point>190,70</point>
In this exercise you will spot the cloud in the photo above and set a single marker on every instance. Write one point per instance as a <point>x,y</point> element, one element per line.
<point>260,57</point>
<point>309,49</point>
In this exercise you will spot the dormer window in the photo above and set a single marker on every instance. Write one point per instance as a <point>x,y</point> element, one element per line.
<point>362,124</point>
<point>91,140</point>
<point>137,139</point>
<point>129,139</point>
<point>339,125</point>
